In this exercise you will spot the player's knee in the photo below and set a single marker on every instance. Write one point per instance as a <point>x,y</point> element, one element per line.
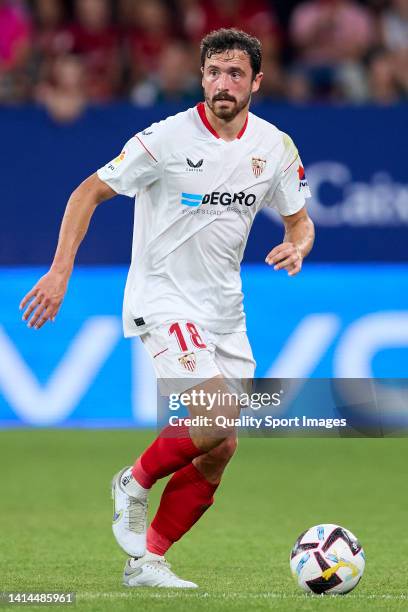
<point>208,441</point>
<point>226,449</point>
<point>213,463</point>
<point>221,454</point>
<point>221,440</point>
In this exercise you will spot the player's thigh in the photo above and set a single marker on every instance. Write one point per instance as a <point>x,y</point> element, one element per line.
<point>233,356</point>
<point>183,356</point>
<point>215,412</point>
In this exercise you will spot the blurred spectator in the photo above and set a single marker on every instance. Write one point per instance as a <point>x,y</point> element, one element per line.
<point>273,82</point>
<point>64,95</point>
<point>148,50</point>
<point>15,28</point>
<point>124,11</point>
<point>254,16</point>
<point>327,35</point>
<point>351,82</point>
<point>193,19</point>
<point>376,6</point>
<point>96,40</point>
<point>298,87</point>
<point>327,32</point>
<point>395,26</point>
<point>177,79</point>
<point>15,39</point>
<point>383,84</point>
<point>400,67</point>
<point>149,33</point>
<point>50,36</point>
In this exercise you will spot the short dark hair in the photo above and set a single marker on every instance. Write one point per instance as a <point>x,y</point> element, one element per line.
<point>225,39</point>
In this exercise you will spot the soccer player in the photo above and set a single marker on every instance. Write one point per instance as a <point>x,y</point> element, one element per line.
<point>199,178</point>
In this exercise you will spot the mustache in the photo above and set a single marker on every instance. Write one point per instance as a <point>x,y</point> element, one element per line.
<point>223,96</point>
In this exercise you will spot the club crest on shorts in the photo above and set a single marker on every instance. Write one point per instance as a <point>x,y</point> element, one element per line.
<point>188,361</point>
<point>258,166</point>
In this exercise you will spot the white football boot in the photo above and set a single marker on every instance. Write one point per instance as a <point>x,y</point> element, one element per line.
<point>129,524</point>
<point>153,571</point>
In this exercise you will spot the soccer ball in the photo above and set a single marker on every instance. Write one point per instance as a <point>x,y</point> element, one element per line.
<point>327,559</point>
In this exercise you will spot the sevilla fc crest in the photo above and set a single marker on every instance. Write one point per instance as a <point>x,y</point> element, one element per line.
<point>188,361</point>
<point>258,166</point>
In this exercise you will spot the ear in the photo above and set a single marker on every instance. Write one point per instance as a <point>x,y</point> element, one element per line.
<point>256,83</point>
<point>202,76</point>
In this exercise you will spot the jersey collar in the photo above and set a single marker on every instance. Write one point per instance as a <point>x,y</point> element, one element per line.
<point>203,117</point>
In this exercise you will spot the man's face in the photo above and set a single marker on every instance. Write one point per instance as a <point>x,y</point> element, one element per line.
<point>228,83</point>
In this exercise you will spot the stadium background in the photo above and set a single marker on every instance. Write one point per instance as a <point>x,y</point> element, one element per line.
<point>75,81</point>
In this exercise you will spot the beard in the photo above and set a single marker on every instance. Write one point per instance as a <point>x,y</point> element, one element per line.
<point>226,113</point>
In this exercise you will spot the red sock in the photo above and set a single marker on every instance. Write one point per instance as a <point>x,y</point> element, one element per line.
<point>184,500</point>
<point>172,450</point>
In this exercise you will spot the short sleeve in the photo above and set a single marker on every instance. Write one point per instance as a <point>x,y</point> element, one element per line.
<point>291,191</point>
<point>137,166</point>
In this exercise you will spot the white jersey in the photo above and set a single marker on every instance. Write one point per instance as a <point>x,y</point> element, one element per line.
<point>196,198</point>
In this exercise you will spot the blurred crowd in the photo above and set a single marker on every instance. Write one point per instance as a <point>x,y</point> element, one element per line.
<point>66,54</point>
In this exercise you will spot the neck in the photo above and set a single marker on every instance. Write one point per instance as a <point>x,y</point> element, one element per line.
<point>227,130</point>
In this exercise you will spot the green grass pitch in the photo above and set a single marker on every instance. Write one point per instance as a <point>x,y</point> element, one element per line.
<point>55,517</point>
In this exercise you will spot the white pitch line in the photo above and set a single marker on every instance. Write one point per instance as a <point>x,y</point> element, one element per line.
<point>173,595</point>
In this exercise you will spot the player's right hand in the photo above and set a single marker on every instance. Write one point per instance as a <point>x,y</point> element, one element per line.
<point>44,299</point>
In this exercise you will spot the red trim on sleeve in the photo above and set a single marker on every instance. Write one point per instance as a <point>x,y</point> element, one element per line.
<point>203,117</point>
<point>146,149</point>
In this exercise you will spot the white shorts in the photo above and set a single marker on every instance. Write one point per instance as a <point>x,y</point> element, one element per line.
<point>184,351</point>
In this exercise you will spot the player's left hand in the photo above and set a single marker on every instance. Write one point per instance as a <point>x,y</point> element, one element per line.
<point>286,256</point>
